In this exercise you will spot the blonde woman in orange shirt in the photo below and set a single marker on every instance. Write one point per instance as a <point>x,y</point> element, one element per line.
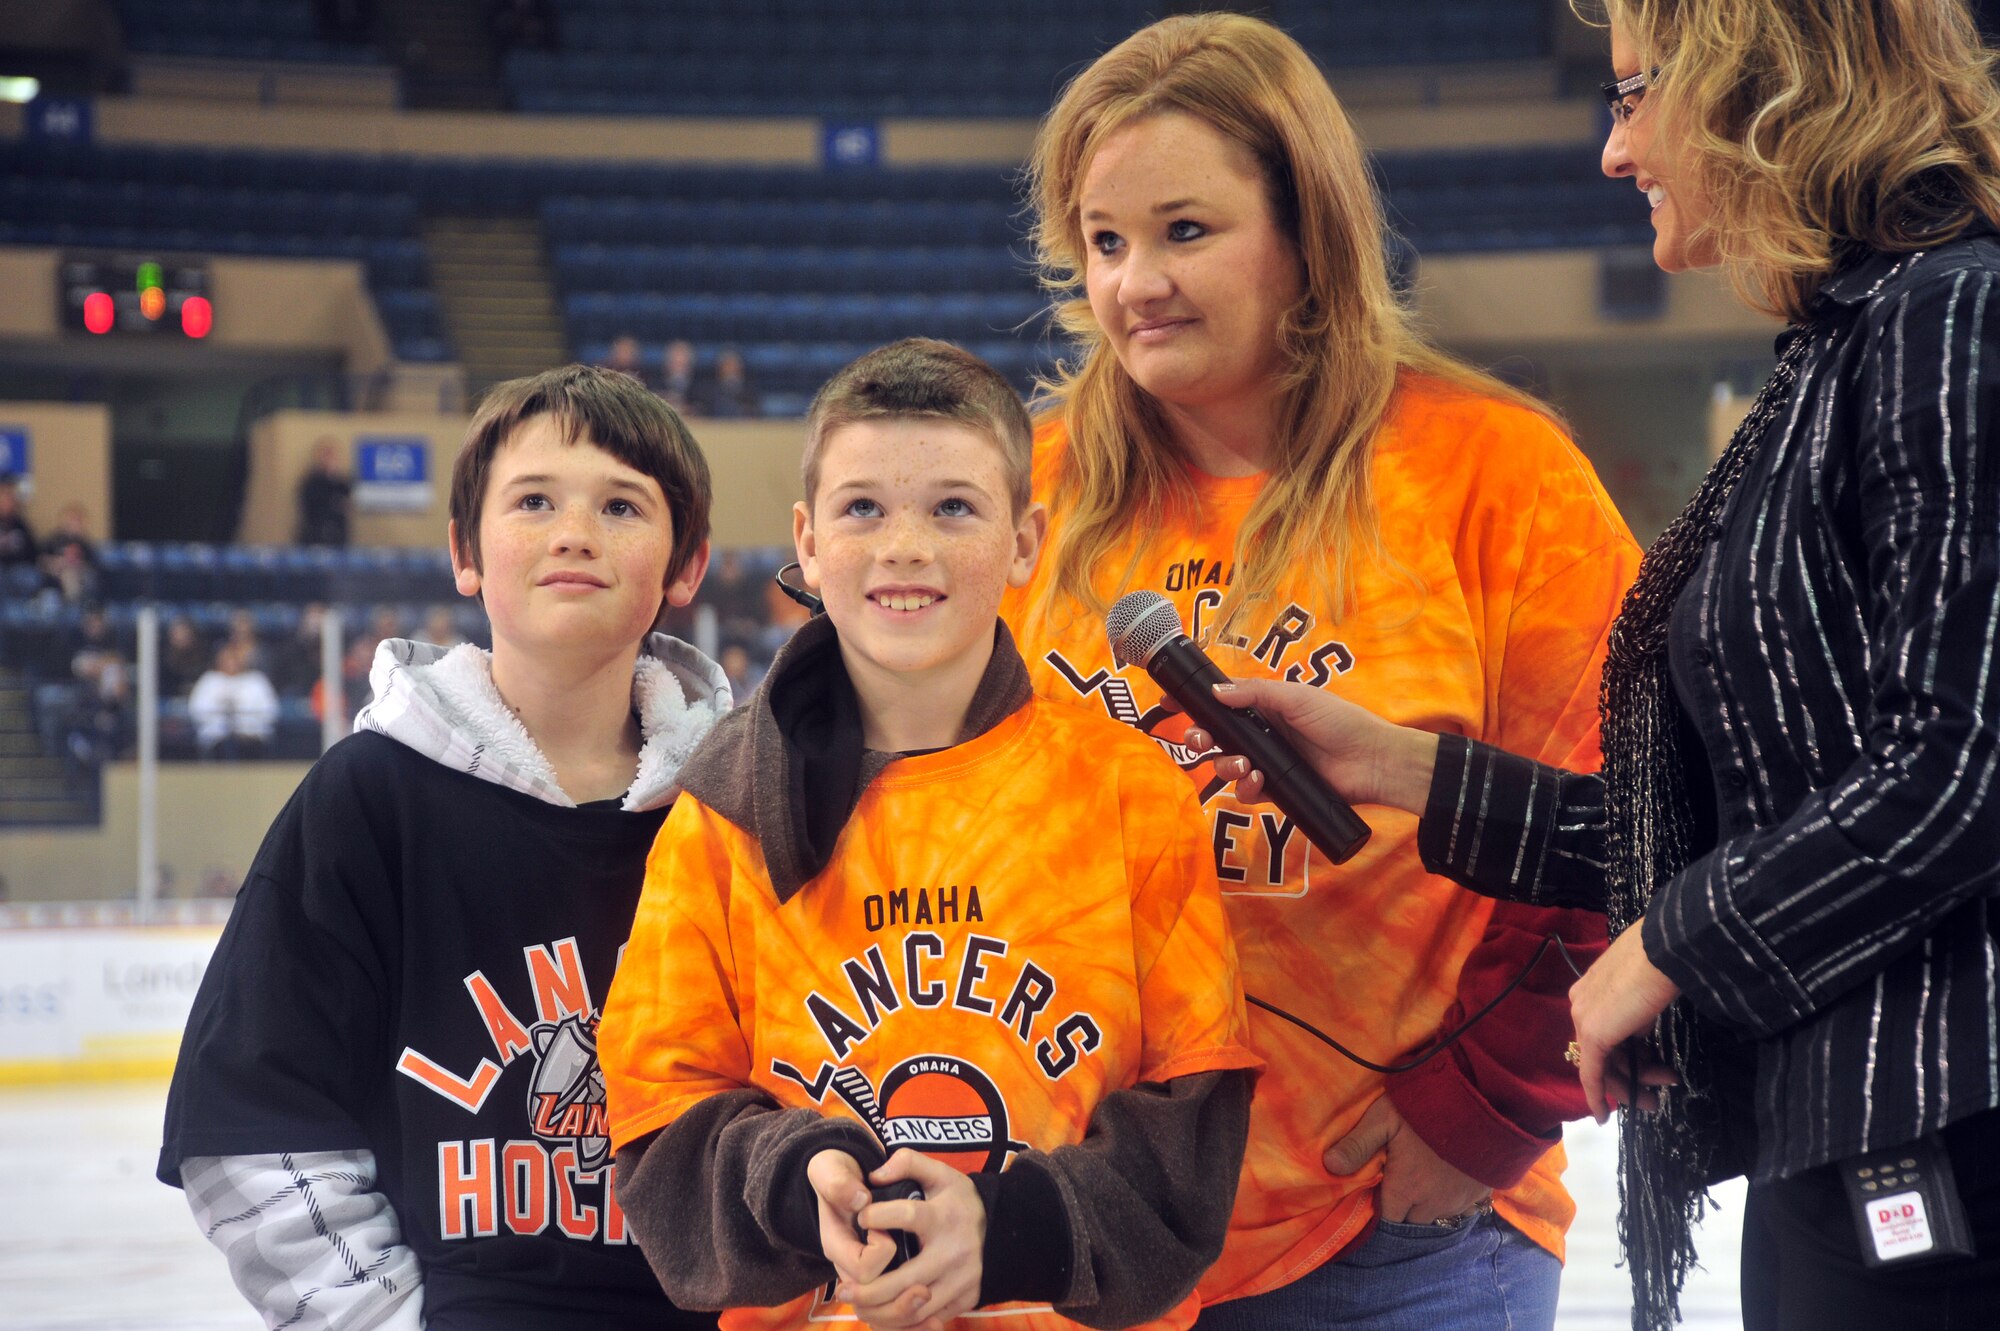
<point>1254,430</point>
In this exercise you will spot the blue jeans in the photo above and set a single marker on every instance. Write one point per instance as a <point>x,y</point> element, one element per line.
<point>1483,1276</point>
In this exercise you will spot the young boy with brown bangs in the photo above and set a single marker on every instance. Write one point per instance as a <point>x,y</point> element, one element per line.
<point>388,1111</point>
<point>911,924</point>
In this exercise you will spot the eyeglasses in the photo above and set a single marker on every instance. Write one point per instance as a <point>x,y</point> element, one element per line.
<point>1622,95</point>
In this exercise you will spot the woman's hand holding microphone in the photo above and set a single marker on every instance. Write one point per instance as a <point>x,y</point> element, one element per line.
<point>1365,759</point>
<point>1368,760</point>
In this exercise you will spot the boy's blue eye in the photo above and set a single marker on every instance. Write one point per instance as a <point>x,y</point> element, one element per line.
<point>955,508</point>
<point>862,508</point>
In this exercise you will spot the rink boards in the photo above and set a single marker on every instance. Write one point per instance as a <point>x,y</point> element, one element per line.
<point>91,1004</point>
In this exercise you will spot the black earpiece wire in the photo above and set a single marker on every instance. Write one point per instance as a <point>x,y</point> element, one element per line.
<point>798,593</point>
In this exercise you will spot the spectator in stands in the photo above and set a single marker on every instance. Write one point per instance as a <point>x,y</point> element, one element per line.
<point>69,559</point>
<point>234,708</point>
<point>243,632</point>
<point>71,530</point>
<point>385,623</point>
<point>624,357</point>
<point>440,629</point>
<point>92,636</point>
<point>527,24</point>
<point>97,723</point>
<point>730,396</point>
<point>295,663</point>
<point>324,497</point>
<point>782,618</point>
<point>183,660</point>
<point>739,602</point>
<point>354,668</point>
<point>677,381</point>
<point>744,672</point>
<point>17,543</point>
<point>71,574</point>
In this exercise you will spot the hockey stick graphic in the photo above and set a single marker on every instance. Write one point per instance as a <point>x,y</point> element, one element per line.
<point>852,1086</point>
<point>1119,702</point>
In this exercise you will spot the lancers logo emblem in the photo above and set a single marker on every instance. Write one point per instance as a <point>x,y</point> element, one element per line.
<point>935,1103</point>
<point>566,1098</point>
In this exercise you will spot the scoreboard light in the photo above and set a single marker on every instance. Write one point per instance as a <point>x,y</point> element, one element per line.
<point>99,313</point>
<point>127,294</point>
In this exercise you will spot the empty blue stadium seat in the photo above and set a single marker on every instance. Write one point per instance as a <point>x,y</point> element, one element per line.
<point>955,57</point>
<point>235,29</point>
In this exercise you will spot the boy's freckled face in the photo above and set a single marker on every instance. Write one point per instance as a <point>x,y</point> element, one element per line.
<point>911,541</point>
<point>573,543</point>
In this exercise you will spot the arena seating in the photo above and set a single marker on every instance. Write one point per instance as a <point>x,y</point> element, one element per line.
<point>235,30</point>
<point>1520,199</point>
<point>292,205</point>
<point>869,58</point>
<point>864,58</point>
<point>802,269</point>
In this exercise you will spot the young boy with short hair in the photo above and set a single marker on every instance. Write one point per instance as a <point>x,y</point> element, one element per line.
<point>912,924</point>
<point>388,1111</point>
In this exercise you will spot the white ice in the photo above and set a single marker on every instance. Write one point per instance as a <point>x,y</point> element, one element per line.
<point>89,1241</point>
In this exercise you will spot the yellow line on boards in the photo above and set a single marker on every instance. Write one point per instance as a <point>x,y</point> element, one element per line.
<point>53,1071</point>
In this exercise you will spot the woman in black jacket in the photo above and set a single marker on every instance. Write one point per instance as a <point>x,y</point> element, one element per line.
<point>1797,831</point>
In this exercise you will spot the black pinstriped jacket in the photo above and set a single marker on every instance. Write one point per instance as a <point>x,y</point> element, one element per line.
<point>1835,653</point>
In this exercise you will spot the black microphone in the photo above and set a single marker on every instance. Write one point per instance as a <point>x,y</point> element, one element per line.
<point>1145,630</point>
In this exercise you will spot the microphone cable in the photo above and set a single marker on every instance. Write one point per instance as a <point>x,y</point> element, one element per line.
<point>1443,1044</point>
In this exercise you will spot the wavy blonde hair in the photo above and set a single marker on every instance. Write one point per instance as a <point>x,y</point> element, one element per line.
<point>1819,128</point>
<point>1346,343</point>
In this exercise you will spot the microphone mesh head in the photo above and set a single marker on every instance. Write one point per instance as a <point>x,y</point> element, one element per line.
<point>1138,623</point>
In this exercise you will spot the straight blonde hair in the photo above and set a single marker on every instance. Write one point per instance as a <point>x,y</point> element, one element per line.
<point>1347,343</point>
<point>1820,128</point>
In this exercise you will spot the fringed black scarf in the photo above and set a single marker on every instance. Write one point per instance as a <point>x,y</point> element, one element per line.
<point>1664,1157</point>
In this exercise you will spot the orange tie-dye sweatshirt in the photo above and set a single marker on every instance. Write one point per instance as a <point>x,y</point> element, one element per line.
<point>1011,944</point>
<point>1519,563</point>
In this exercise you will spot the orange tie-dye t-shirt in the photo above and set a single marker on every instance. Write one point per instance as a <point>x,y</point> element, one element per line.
<point>1008,931</point>
<point>1519,562</point>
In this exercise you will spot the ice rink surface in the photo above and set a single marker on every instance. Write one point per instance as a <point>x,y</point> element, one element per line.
<point>90,1242</point>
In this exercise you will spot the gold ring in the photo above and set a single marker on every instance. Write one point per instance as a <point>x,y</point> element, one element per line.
<point>1574,1054</point>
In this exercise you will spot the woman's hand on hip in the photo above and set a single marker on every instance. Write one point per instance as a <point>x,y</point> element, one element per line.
<point>1619,997</point>
<point>1366,759</point>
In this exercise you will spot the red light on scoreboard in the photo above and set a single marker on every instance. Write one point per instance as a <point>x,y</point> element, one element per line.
<point>197,317</point>
<point>121,295</point>
<point>99,313</point>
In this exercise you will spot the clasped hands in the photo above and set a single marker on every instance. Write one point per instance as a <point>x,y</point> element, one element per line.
<point>942,1281</point>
